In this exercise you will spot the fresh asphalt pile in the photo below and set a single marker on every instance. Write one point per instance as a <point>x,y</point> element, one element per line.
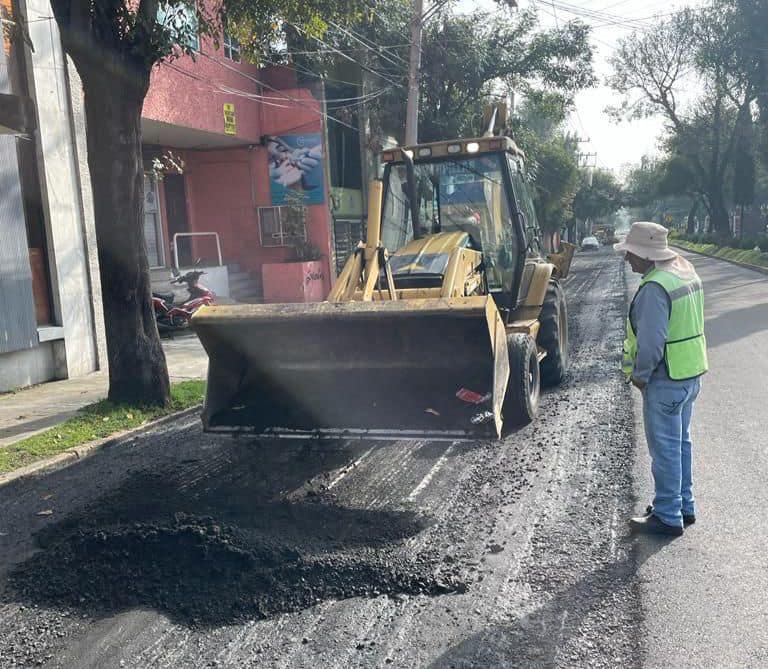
<point>252,558</point>
<point>194,551</point>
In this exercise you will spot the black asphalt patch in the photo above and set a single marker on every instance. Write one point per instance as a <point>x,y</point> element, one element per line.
<point>237,557</point>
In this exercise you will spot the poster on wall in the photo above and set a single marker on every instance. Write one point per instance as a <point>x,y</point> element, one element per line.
<point>296,166</point>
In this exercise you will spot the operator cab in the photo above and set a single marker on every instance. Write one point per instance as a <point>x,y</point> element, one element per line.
<point>467,193</point>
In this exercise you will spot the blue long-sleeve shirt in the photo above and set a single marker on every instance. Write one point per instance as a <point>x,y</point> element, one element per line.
<point>649,316</point>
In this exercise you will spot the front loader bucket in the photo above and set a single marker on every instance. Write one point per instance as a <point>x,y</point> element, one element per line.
<point>384,370</point>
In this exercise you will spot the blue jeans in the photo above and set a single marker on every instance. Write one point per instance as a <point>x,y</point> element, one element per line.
<point>667,412</point>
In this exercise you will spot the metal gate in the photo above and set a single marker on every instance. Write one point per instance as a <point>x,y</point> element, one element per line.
<point>347,233</point>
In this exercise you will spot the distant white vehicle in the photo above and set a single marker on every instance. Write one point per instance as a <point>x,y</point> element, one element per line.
<point>590,244</point>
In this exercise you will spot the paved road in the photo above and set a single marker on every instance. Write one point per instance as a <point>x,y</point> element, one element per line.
<point>705,595</point>
<point>184,550</point>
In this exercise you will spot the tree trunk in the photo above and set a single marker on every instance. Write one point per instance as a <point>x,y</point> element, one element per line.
<point>137,369</point>
<point>719,223</point>
<point>690,228</point>
<point>741,222</point>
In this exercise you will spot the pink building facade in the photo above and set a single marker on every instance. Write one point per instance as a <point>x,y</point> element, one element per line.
<point>210,117</point>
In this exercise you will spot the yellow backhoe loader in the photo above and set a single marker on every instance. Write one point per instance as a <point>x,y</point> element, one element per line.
<point>442,325</point>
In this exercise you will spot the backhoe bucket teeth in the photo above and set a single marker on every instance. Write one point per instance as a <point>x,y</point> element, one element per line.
<point>384,370</point>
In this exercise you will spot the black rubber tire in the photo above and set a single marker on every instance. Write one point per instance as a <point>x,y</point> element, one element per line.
<point>553,336</point>
<point>521,401</point>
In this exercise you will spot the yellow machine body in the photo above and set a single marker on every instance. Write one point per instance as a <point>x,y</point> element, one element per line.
<point>378,359</point>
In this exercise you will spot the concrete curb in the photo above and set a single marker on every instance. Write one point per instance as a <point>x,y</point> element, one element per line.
<point>78,453</point>
<point>756,268</point>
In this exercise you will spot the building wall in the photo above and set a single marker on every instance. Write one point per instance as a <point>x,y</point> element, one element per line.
<point>70,347</point>
<point>226,186</point>
<point>192,93</point>
<point>225,190</point>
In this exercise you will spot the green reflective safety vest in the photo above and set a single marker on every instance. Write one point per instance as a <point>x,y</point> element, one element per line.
<point>685,352</point>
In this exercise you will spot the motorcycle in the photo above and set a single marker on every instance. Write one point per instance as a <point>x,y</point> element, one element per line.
<point>172,317</point>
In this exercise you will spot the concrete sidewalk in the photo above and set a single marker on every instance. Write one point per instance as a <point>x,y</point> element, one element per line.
<point>31,410</point>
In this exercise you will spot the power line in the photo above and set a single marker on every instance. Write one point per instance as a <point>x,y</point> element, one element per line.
<point>350,59</point>
<point>371,46</point>
<point>283,94</point>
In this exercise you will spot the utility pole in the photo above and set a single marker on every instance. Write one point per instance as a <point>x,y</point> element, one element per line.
<point>412,108</point>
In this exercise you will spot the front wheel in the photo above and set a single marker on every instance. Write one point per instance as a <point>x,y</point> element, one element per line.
<point>553,336</point>
<point>521,402</point>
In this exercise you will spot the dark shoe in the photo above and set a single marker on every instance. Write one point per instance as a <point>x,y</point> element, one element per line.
<point>688,518</point>
<point>652,525</point>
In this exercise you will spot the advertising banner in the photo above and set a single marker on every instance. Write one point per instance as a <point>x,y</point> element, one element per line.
<point>296,165</point>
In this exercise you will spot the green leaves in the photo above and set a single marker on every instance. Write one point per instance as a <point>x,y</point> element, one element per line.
<point>260,25</point>
<point>556,182</point>
<point>599,195</point>
<point>469,60</point>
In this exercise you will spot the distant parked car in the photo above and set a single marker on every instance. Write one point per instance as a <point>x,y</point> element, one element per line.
<point>590,244</point>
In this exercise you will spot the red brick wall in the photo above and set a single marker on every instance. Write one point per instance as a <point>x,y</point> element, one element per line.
<point>224,191</point>
<point>192,94</point>
<point>225,187</point>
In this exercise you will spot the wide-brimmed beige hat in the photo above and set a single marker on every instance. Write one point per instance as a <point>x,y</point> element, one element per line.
<point>647,241</point>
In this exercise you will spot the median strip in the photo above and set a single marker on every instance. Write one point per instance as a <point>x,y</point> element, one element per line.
<point>749,258</point>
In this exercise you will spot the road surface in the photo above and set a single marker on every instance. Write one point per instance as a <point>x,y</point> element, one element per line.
<point>704,596</point>
<point>184,550</point>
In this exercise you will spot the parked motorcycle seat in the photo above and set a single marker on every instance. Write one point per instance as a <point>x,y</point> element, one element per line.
<point>165,297</point>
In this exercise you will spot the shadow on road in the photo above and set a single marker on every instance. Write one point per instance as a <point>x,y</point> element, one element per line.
<point>736,324</point>
<point>212,546</point>
<point>539,639</point>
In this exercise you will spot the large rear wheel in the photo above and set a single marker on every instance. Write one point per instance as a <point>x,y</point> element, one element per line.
<point>521,401</point>
<point>553,336</point>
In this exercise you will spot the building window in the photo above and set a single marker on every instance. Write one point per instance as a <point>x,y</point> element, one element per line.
<point>182,22</point>
<point>281,226</point>
<point>153,232</point>
<point>24,172</point>
<point>231,47</point>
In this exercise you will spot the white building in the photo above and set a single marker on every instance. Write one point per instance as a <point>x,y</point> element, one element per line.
<point>51,319</point>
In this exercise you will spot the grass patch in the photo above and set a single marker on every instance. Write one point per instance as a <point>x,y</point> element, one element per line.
<point>96,421</point>
<point>746,256</point>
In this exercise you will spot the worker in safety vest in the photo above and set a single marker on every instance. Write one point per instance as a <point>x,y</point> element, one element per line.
<point>665,354</point>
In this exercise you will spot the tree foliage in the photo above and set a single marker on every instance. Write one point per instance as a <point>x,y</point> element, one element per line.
<point>599,195</point>
<point>467,61</point>
<point>472,59</point>
<point>556,182</point>
<point>652,71</point>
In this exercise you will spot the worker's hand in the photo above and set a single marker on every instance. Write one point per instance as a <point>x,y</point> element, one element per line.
<point>640,385</point>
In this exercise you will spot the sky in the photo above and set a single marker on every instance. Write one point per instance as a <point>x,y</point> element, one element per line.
<point>616,144</point>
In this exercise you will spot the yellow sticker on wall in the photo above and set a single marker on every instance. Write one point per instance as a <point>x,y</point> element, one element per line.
<point>230,121</point>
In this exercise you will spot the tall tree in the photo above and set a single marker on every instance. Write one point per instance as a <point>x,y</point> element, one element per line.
<point>652,71</point>
<point>749,19</point>
<point>744,179</point>
<point>642,190</point>
<point>679,178</point>
<point>467,61</point>
<point>599,195</point>
<point>556,183</point>
<point>114,44</point>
